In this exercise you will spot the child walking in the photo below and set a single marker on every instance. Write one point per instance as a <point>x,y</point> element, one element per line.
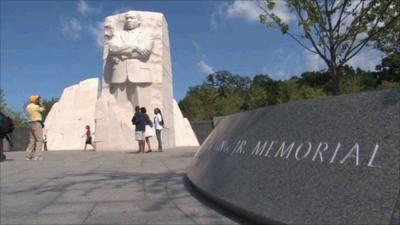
<point>89,139</point>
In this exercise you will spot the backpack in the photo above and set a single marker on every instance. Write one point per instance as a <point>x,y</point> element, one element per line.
<point>6,124</point>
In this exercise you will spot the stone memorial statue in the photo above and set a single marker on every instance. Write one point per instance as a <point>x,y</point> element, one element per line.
<point>128,52</point>
<point>136,71</point>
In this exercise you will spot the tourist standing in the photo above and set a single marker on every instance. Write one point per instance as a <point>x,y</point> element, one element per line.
<point>149,132</point>
<point>89,138</point>
<point>34,111</point>
<point>159,126</point>
<point>139,121</point>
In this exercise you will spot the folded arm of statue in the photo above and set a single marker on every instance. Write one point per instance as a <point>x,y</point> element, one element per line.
<point>121,49</point>
<point>145,48</point>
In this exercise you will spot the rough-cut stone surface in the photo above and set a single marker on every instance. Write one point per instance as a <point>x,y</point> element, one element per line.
<point>184,134</point>
<point>66,121</point>
<point>332,160</point>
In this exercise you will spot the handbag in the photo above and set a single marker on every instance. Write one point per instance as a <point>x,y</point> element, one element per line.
<point>149,131</point>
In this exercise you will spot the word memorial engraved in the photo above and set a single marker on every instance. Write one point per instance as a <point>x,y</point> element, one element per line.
<point>305,150</point>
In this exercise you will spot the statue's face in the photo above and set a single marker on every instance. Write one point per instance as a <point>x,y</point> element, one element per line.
<point>131,21</point>
<point>108,30</point>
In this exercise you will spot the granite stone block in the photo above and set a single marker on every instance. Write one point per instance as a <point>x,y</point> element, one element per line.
<point>332,160</point>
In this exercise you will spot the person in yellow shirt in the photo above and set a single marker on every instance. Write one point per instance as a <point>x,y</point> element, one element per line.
<point>34,111</point>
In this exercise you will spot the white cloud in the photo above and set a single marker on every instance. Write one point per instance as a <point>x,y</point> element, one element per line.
<point>74,28</point>
<point>218,14</point>
<point>71,28</point>
<point>205,68</point>
<point>250,11</point>
<point>367,59</point>
<point>283,12</point>
<point>196,45</point>
<point>285,64</point>
<point>247,10</point>
<point>97,32</point>
<point>85,9</point>
<point>277,72</point>
<point>214,23</point>
<point>314,62</point>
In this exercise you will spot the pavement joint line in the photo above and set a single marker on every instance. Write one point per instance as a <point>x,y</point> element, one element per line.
<point>51,202</point>
<point>90,212</point>
<point>144,188</point>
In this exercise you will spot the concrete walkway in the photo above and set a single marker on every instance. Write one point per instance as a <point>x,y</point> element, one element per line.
<point>75,187</point>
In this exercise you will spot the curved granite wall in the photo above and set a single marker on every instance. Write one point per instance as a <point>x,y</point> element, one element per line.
<point>332,160</point>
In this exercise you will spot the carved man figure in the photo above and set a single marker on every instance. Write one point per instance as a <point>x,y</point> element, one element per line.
<point>128,52</point>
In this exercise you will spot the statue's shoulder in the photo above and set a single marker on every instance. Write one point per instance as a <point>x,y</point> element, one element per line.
<point>146,33</point>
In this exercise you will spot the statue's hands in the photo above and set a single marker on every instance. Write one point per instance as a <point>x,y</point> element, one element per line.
<point>134,55</point>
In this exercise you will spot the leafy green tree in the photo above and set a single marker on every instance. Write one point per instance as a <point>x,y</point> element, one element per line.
<point>199,102</point>
<point>314,79</point>
<point>18,118</point>
<point>221,94</point>
<point>233,101</point>
<point>388,84</point>
<point>48,104</point>
<point>357,80</point>
<point>351,85</point>
<point>389,68</point>
<point>388,40</point>
<point>232,91</point>
<point>222,79</point>
<point>3,104</point>
<point>265,91</point>
<point>310,92</point>
<point>336,30</point>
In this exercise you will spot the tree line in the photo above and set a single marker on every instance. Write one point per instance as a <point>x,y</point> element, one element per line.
<point>223,93</point>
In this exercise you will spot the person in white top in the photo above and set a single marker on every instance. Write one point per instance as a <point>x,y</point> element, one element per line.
<point>159,126</point>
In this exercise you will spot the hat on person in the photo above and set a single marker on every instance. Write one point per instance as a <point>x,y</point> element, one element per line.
<point>34,98</point>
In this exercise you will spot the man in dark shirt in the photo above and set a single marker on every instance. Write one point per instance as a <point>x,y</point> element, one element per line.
<point>139,121</point>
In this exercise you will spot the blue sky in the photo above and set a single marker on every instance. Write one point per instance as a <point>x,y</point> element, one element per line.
<point>47,46</point>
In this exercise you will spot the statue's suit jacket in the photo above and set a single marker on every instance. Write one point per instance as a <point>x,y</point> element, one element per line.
<point>131,65</point>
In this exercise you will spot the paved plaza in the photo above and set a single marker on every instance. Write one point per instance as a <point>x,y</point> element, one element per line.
<point>75,187</point>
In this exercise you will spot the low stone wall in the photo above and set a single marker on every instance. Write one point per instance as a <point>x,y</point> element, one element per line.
<point>202,129</point>
<point>20,139</point>
<point>333,160</point>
